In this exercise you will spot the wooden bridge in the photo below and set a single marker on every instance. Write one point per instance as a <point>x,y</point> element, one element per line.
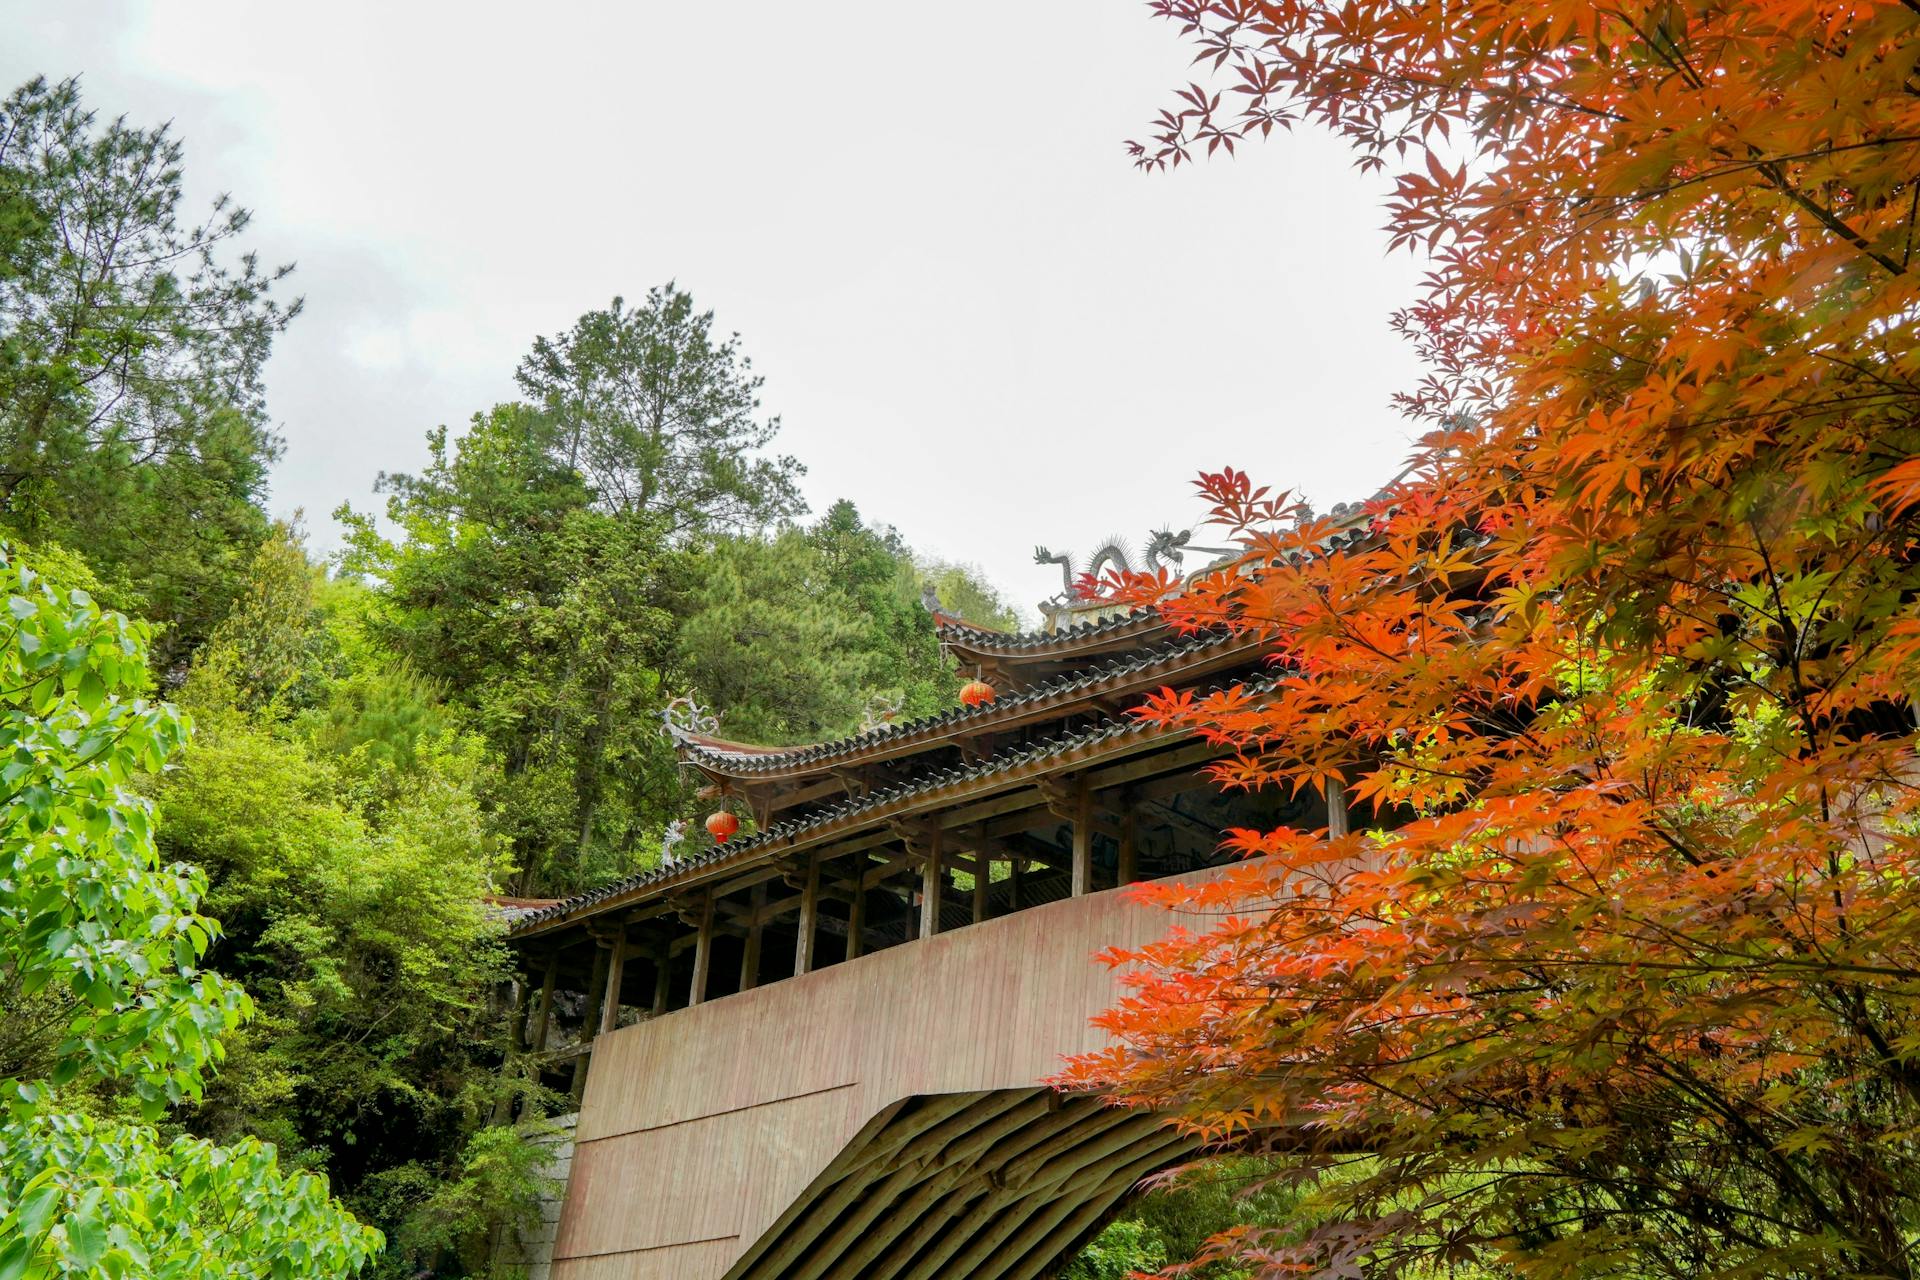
<point>818,1051</point>
<point>882,1118</point>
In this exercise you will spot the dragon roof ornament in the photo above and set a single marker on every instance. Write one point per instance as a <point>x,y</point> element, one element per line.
<point>1163,549</point>
<point>882,709</point>
<point>684,717</point>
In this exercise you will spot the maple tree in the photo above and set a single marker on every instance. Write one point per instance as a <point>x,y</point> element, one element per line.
<point>1622,978</point>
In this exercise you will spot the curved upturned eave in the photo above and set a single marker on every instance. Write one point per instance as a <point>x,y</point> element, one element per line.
<point>735,762</point>
<point>1049,646</point>
<point>1112,739</point>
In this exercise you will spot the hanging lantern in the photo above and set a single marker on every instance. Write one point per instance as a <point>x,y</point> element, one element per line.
<point>721,824</point>
<point>975,693</point>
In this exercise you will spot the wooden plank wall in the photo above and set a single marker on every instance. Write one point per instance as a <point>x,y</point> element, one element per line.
<point>700,1127</point>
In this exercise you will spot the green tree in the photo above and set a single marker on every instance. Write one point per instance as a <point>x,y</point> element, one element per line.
<point>103,996</point>
<point>796,636</point>
<point>550,619</point>
<point>259,652</point>
<point>771,642</point>
<point>966,594</point>
<point>659,418</point>
<point>1175,1219</point>
<point>331,799</point>
<point>132,418</point>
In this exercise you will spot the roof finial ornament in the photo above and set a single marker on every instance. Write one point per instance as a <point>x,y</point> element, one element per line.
<point>685,717</point>
<point>670,841</point>
<point>882,709</point>
<point>1111,554</point>
<point>930,598</point>
<point>1165,548</point>
<point>1043,556</point>
<point>1166,545</point>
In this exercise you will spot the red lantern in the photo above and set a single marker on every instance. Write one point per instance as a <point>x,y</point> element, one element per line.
<point>975,693</point>
<point>721,824</point>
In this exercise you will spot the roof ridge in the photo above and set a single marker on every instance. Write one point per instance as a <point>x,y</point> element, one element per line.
<point>769,757</point>
<point>1041,639</point>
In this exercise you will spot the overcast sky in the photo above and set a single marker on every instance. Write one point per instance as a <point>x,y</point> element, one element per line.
<point>976,319</point>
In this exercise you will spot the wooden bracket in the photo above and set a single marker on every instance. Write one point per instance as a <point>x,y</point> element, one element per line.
<point>1062,796</point>
<point>916,837</point>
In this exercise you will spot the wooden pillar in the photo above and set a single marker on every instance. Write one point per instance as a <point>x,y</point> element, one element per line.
<point>1337,821</point>
<point>982,873</point>
<point>750,954</point>
<point>616,975</point>
<point>1082,839</point>
<point>857,909</point>
<point>662,980</point>
<point>931,874</point>
<point>702,952</point>
<point>1016,873</point>
<point>809,917</point>
<point>1129,859</point>
<point>543,1013</point>
<point>590,1025</point>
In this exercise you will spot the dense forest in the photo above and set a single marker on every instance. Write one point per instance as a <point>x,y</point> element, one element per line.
<point>463,702</point>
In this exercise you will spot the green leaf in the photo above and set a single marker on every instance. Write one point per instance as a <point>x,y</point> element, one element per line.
<point>36,1210</point>
<point>86,1238</point>
<point>92,692</point>
<point>15,1256</point>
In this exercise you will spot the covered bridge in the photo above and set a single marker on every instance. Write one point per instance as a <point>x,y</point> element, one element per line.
<point>818,1050</point>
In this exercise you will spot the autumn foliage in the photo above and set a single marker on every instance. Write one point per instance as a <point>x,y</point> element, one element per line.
<point>1622,979</point>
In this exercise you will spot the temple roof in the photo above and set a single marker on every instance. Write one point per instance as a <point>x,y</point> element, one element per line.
<point>1100,633</point>
<point>1138,669</point>
<point>1111,737</point>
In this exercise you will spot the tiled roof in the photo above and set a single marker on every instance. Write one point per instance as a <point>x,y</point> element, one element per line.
<point>737,757</point>
<point>513,910</point>
<point>981,640</point>
<point>1011,765</point>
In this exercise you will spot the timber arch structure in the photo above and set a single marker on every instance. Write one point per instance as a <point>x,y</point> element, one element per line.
<point>818,1051</point>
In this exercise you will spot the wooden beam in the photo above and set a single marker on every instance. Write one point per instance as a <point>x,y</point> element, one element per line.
<point>537,1041</point>
<point>925,1212</point>
<point>880,1188</point>
<point>750,954</point>
<point>930,880</point>
<point>809,917</point>
<point>1059,1169</point>
<point>1131,760</point>
<point>1132,770</point>
<point>982,873</point>
<point>702,953</point>
<point>842,889</point>
<point>596,1000</point>
<point>662,980</point>
<point>1062,796</point>
<point>1061,1219</point>
<point>1082,840</point>
<point>857,920</point>
<point>616,974</point>
<point>951,861</point>
<point>999,1184</point>
<point>785,1241</point>
<point>1172,817</point>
